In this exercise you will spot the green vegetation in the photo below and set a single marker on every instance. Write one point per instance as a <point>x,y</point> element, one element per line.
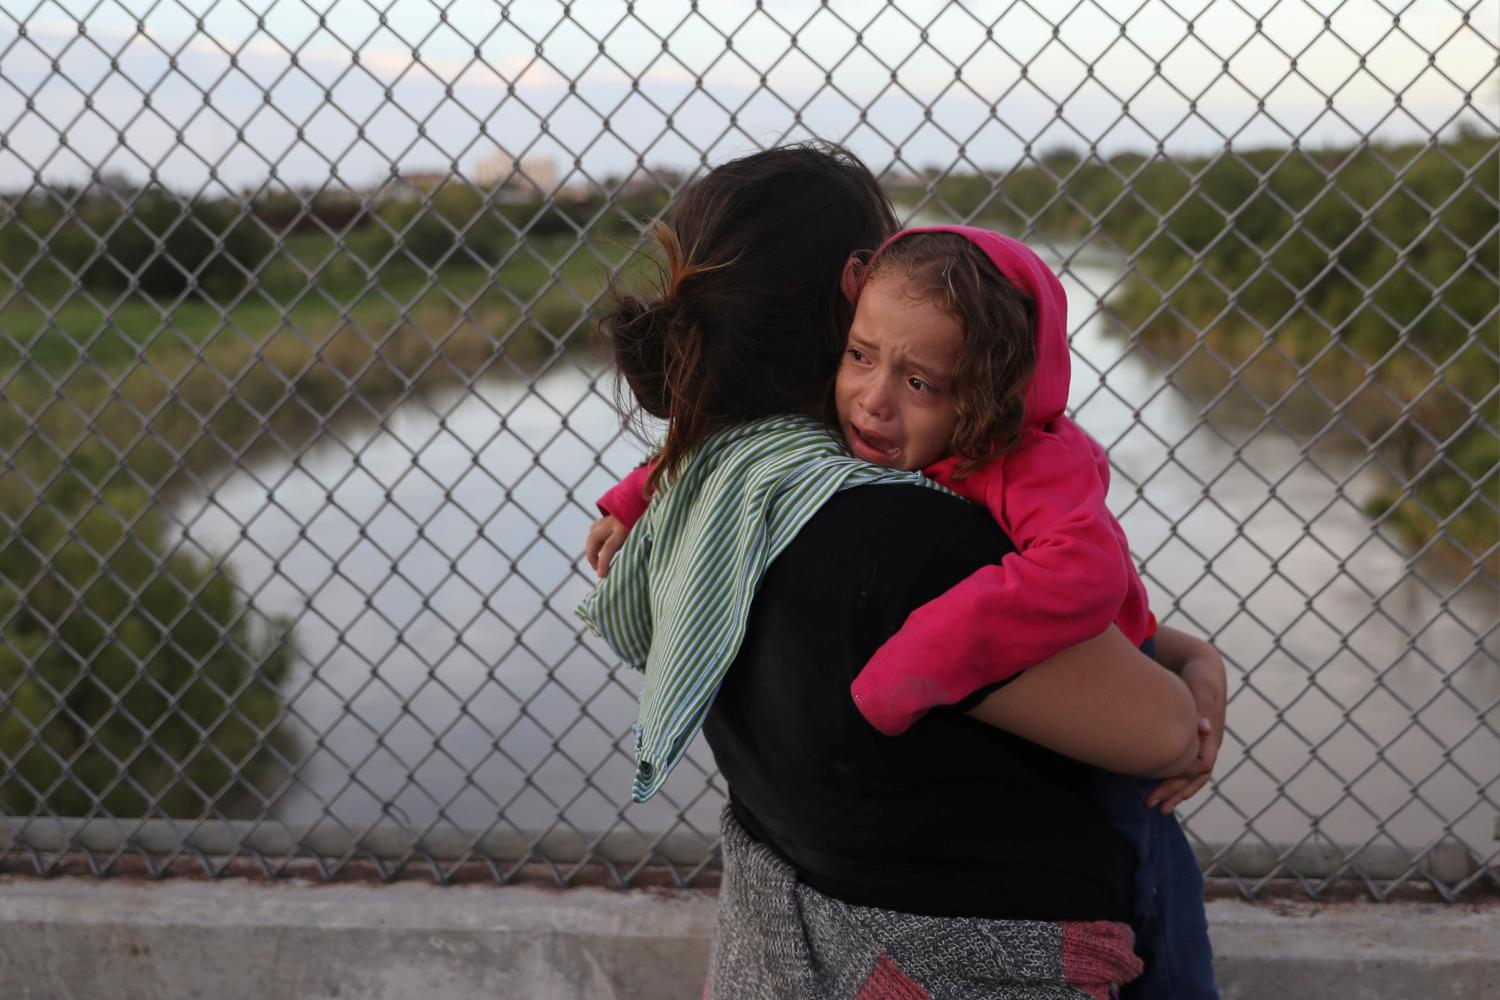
<point>1367,273</point>
<point>401,258</point>
<point>130,681</point>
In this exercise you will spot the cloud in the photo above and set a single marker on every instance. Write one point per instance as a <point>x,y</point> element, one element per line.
<point>993,113</point>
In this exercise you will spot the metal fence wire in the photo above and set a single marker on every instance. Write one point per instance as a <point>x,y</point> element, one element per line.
<point>302,430</point>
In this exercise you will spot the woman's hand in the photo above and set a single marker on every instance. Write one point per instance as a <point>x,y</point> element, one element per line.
<point>605,538</point>
<point>1202,669</point>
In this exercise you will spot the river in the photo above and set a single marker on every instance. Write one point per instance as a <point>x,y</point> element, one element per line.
<point>432,565</point>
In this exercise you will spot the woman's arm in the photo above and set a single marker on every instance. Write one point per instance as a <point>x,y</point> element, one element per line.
<point>1103,702</point>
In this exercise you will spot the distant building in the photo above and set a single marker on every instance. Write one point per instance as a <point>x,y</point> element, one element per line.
<point>540,171</point>
<point>529,177</point>
<point>495,169</point>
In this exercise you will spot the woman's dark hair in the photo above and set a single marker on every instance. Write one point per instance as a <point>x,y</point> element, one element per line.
<point>749,320</point>
<point>998,356</point>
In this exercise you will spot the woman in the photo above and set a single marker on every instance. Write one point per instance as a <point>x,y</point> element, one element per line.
<point>849,858</point>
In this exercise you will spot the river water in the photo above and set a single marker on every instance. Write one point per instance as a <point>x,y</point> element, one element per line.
<point>432,565</point>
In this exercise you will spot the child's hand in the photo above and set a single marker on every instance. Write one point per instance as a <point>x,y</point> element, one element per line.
<point>605,538</point>
<point>1174,791</point>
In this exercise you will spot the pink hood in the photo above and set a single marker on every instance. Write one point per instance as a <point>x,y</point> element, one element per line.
<point>1047,398</point>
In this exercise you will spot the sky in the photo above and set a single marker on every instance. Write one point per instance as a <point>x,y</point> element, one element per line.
<point>341,92</point>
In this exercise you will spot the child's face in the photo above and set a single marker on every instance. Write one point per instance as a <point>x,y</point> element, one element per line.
<point>894,392</point>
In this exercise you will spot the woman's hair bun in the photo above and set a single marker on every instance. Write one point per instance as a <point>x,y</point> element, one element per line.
<point>635,330</point>
<point>747,319</point>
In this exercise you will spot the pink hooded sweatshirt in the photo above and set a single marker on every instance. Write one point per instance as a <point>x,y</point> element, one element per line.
<point>1071,576</point>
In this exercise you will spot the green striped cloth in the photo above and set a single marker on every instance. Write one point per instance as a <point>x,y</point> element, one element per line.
<point>678,593</point>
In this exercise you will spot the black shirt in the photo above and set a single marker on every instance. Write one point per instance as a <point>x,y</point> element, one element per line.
<point>953,817</point>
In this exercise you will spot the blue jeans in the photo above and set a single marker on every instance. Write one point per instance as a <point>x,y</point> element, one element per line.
<point>1171,928</point>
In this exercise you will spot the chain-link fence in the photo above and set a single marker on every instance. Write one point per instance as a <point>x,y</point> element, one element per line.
<point>302,434</point>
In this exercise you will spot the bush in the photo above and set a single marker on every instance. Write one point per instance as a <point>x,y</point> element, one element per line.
<point>167,247</point>
<point>130,681</point>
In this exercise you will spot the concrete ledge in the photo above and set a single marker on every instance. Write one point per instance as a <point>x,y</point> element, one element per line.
<point>238,939</point>
<point>1356,950</point>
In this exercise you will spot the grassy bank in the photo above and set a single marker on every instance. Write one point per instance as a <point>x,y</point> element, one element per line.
<point>1353,288</point>
<point>129,678</point>
<point>52,323</point>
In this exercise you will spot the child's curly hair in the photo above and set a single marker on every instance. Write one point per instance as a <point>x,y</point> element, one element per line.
<point>998,356</point>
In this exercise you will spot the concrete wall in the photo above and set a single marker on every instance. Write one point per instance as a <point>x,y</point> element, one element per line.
<point>234,940</point>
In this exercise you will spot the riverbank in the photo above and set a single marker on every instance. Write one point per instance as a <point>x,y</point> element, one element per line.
<point>1345,292</point>
<point>1434,450</point>
<point>96,438</point>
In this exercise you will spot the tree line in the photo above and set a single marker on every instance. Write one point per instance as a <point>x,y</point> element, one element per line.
<point>1350,288</point>
<point>129,680</point>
